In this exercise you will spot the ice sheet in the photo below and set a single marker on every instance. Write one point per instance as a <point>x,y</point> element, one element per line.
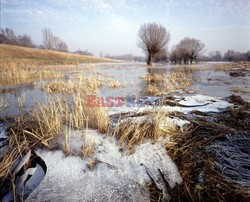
<point>115,176</point>
<point>189,103</point>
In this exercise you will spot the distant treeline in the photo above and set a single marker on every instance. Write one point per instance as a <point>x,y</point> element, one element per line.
<point>188,50</point>
<point>164,57</point>
<point>230,55</point>
<point>128,57</point>
<point>50,41</point>
<point>7,36</point>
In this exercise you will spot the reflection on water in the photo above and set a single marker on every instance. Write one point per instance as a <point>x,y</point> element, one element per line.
<point>16,91</point>
<point>20,97</point>
<point>208,82</point>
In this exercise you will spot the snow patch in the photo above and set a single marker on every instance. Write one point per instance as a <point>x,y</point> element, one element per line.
<point>174,121</point>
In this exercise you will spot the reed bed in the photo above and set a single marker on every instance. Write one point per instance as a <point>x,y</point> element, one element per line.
<point>48,120</point>
<point>12,73</point>
<point>130,132</point>
<point>79,83</point>
<point>157,84</point>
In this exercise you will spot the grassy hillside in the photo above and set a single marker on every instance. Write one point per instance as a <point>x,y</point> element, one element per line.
<point>44,57</point>
<point>21,65</point>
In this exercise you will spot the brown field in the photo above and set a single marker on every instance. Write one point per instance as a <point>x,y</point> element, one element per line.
<point>19,65</point>
<point>45,57</point>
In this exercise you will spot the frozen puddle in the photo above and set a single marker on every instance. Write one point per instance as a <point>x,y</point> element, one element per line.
<point>108,175</point>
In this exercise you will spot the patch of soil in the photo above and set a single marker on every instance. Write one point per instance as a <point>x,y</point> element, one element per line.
<point>234,99</point>
<point>237,74</point>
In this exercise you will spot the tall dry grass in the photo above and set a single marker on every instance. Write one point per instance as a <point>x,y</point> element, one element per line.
<point>159,84</point>
<point>48,120</point>
<point>79,82</point>
<point>155,126</point>
<point>214,66</point>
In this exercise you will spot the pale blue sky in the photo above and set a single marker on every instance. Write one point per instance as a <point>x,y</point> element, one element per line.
<point>111,26</point>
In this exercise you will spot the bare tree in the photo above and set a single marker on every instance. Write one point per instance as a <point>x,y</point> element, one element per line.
<point>8,36</point>
<point>190,49</point>
<point>247,55</point>
<point>230,55</point>
<point>183,50</point>
<point>217,56</point>
<point>59,44</point>
<point>25,40</point>
<point>63,47</point>
<point>48,38</point>
<point>175,55</point>
<point>196,46</point>
<point>187,50</point>
<point>52,42</point>
<point>3,39</point>
<point>162,56</point>
<point>153,38</point>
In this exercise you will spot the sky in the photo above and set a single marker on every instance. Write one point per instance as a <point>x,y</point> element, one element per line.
<point>111,26</point>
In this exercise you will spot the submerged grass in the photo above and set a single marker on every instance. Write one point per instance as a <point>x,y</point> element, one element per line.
<point>79,83</point>
<point>159,84</point>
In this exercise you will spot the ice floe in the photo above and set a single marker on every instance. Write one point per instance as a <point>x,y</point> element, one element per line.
<point>184,104</point>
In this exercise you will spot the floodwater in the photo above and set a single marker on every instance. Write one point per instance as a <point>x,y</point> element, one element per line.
<point>54,169</point>
<point>207,82</point>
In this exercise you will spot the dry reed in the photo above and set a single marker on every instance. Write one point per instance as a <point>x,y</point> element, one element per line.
<point>131,132</point>
<point>157,84</point>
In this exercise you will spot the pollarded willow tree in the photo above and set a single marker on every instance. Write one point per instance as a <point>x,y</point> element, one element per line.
<point>187,50</point>
<point>153,39</point>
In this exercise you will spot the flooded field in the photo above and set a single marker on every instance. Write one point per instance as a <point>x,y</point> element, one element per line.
<point>128,81</point>
<point>125,131</point>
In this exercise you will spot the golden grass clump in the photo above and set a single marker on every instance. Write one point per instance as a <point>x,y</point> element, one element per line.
<point>132,132</point>
<point>152,89</point>
<point>156,84</point>
<point>114,84</point>
<point>48,120</point>
<point>80,83</point>
<point>150,78</point>
<point>87,148</point>
<point>76,103</point>
<point>19,73</point>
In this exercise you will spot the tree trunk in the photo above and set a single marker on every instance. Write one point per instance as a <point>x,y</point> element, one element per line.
<point>150,59</point>
<point>191,60</point>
